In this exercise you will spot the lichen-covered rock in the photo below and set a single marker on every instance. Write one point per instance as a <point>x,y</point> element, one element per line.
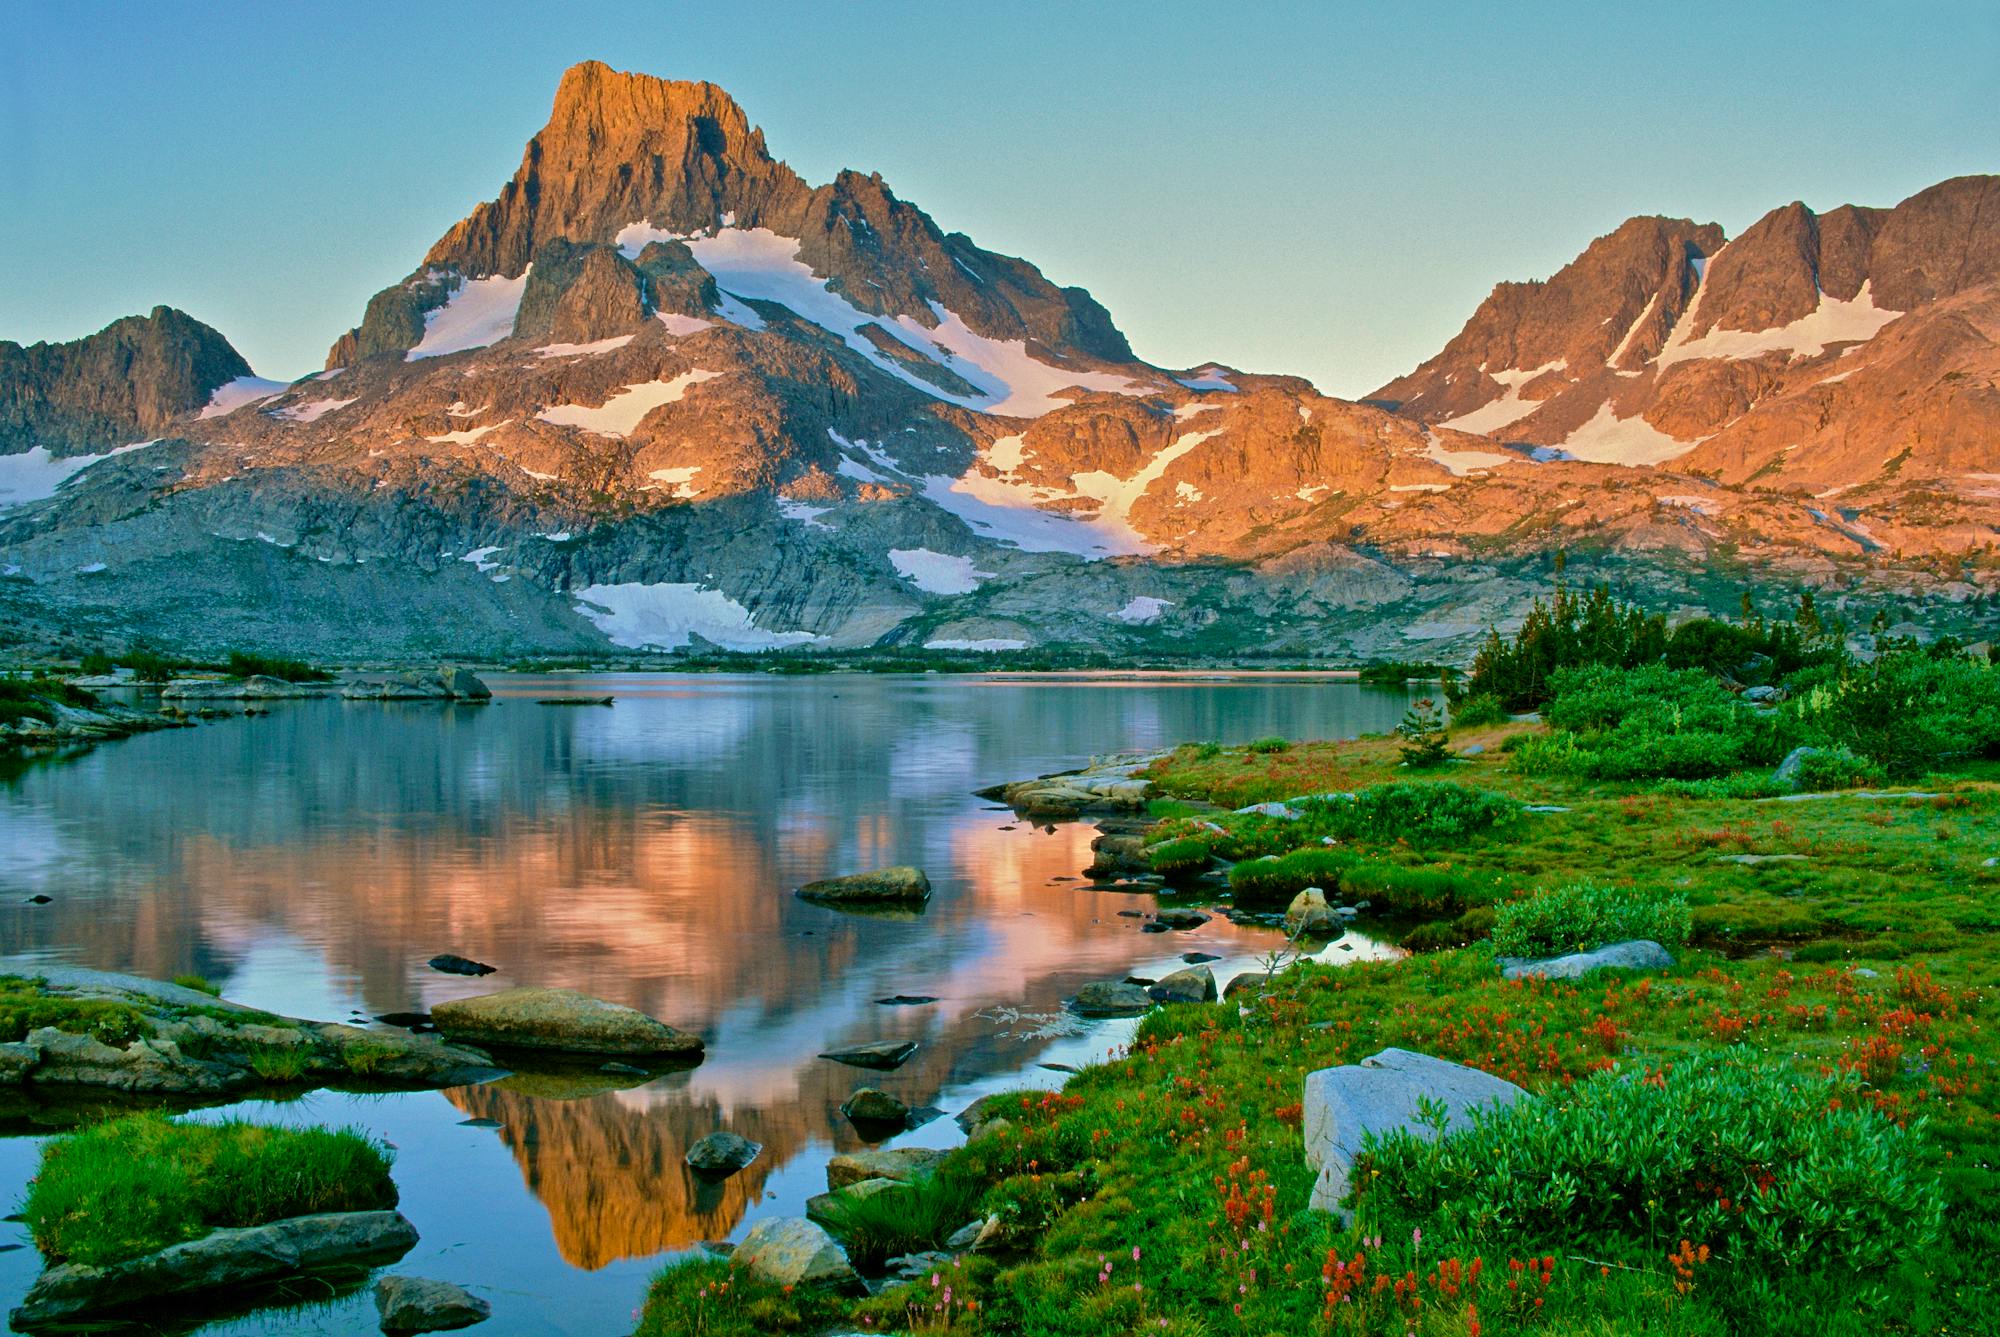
<point>793,1251</point>
<point>420,1304</point>
<point>902,1164</point>
<point>901,885</point>
<point>1380,1095</point>
<point>559,1020</point>
<point>223,1260</point>
<point>1309,914</point>
<point>1638,954</point>
<point>722,1153</point>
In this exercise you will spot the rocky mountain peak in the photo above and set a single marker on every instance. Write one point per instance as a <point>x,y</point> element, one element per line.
<point>129,380</point>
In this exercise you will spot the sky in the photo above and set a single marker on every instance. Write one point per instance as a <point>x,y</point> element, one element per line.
<point>1327,190</point>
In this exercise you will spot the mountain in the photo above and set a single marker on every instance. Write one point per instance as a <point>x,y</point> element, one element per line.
<point>660,392</point>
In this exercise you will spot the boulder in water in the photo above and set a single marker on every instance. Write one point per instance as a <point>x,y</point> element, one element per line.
<point>901,885</point>
<point>559,1021</point>
<point>419,1304</point>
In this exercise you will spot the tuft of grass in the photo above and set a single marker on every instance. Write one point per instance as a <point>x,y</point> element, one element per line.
<point>1582,916</point>
<point>707,1297</point>
<point>877,1229</point>
<point>141,1183</point>
<point>199,985</point>
<point>276,1064</point>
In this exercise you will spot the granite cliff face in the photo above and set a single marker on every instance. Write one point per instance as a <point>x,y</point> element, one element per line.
<point>662,393</point>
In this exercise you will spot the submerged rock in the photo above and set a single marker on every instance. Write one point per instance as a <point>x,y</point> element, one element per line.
<point>1380,1095</point>
<point>722,1153</point>
<point>223,1260</point>
<point>452,964</point>
<point>872,1106</point>
<point>1638,954</point>
<point>1181,917</point>
<point>901,885</point>
<point>792,1251</point>
<point>1106,998</point>
<point>880,1054</point>
<point>560,1021</point>
<point>419,1304</point>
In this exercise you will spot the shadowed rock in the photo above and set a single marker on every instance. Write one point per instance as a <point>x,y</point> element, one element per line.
<point>561,1021</point>
<point>419,1304</point>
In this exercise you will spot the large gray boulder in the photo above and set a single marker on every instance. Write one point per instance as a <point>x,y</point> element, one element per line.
<point>1196,984</point>
<point>419,1304</point>
<point>1379,1095</point>
<point>1110,998</point>
<point>561,1021</point>
<point>1309,914</point>
<point>901,885</point>
<point>1638,954</point>
<point>792,1251</point>
<point>223,1260</point>
<point>901,1164</point>
<point>721,1154</point>
<point>1787,774</point>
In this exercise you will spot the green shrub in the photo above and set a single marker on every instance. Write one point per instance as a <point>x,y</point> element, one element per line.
<point>199,984</point>
<point>1404,890</point>
<point>1909,711</point>
<point>1396,672</point>
<point>1837,767</point>
<point>1582,916</point>
<point>95,663</point>
<point>1422,734</point>
<point>1272,882</point>
<point>711,1298</point>
<point>1570,630</point>
<point>876,1229</point>
<point>1436,936</point>
<point>1185,857</point>
<point>1270,744</point>
<point>1646,723</point>
<point>141,1183</point>
<point>1477,712</point>
<point>1782,1174</point>
<point>1420,812</point>
<point>36,698</point>
<point>245,665</point>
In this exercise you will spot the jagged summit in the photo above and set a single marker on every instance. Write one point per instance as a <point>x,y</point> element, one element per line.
<point>627,160</point>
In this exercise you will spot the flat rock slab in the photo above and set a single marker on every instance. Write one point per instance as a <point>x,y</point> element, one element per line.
<point>419,1304</point>
<point>1638,954</point>
<point>880,1054</point>
<point>221,1261</point>
<point>901,1164</point>
<point>792,1251</point>
<point>1379,1095</point>
<point>560,1021</point>
<point>901,885</point>
<point>1110,999</point>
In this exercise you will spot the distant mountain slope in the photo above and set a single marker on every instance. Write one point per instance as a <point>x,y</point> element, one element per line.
<point>662,393</point>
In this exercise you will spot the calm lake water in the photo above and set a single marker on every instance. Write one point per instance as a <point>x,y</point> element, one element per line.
<point>311,861</point>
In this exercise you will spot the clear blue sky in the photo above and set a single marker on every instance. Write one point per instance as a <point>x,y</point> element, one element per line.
<point>1327,189</point>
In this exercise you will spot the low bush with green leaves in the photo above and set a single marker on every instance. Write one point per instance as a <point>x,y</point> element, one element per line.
<point>1908,711</point>
<point>1415,811</point>
<point>141,1183</point>
<point>1646,723</point>
<point>1478,712</point>
<point>1272,882</point>
<point>1837,767</point>
<point>1181,858</point>
<point>1583,916</point>
<point>1786,1176</point>
<point>243,664</point>
<point>1272,744</point>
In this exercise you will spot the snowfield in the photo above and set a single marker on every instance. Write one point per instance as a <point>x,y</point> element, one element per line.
<point>479,312</point>
<point>1509,407</point>
<point>310,411</point>
<point>244,390</point>
<point>984,646</point>
<point>618,415</point>
<point>664,617</point>
<point>1142,609</point>
<point>936,572</point>
<point>1610,439</point>
<point>36,475</point>
<point>1831,322</point>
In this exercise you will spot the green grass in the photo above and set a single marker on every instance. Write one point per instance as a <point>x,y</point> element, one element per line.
<point>199,985</point>
<point>24,1008</point>
<point>32,698</point>
<point>137,1184</point>
<point>885,1226</point>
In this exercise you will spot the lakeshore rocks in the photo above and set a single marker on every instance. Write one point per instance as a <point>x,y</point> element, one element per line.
<point>1111,786</point>
<point>254,688</point>
<point>452,964</point>
<point>1180,917</point>
<point>882,1055</point>
<point>722,1153</point>
<point>1638,954</point>
<point>793,1251</point>
<point>419,1304</point>
<point>901,1164</point>
<point>1380,1095</point>
<point>1196,984</point>
<point>1248,980</point>
<point>223,1260</point>
<point>438,684</point>
<point>560,1021</point>
<point>872,1106</point>
<point>1110,998</point>
<point>900,885</point>
<point>1309,914</point>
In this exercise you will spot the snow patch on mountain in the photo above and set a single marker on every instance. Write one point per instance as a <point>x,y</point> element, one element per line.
<point>1610,439</point>
<point>465,436</point>
<point>665,616</point>
<point>804,512</point>
<point>1833,321</point>
<point>614,343</point>
<point>987,646</point>
<point>1208,378</point>
<point>479,312</point>
<point>620,414</point>
<point>241,392</point>
<point>311,410</point>
<point>1142,609</point>
<point>936,572</point>
<point>1463,462</point>
<point>36,475</point>
<point>1509,407</point>
<point>681,326</point>
<point>680,478</point>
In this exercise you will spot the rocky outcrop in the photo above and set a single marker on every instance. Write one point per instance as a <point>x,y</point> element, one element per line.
<point>1381,1095</point>
<point>257,687</point>
<point>828,1208</point>
<point>870,1105</point>
<point>901,885</point>
<point>1112,786</point>
<point>218,1264</point>
<point>1196,984</point>
<point>131,380</point>
<point>1638,954</point>
<point>560,1021</point>
<point>901,1164</point>
<point>1310,916</point>
<point>442,684</point>
<point>419,1304</point>
<point>1111,998</point>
